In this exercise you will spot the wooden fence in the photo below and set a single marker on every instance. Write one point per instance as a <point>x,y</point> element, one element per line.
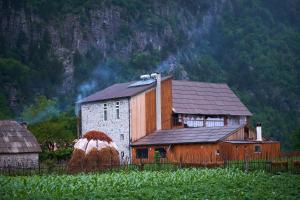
<point>282,164</point>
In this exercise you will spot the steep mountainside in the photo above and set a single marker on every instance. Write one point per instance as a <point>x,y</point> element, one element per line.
<point>67,49</point>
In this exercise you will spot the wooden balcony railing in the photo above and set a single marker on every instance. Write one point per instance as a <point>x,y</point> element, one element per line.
<point>194,123</point>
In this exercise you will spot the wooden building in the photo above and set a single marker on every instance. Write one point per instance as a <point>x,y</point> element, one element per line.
<point>182,121</point>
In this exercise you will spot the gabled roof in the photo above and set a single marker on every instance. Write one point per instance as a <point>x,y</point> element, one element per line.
<point>14,138</point>
<point>191,97</point>
<point>187,135</point>
<point>119,90</point>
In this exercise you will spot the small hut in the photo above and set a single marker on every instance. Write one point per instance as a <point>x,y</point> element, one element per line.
<point>95,151</point>
<point>18,146</point>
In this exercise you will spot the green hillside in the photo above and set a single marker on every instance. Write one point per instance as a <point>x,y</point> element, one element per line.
<point>65,50</point>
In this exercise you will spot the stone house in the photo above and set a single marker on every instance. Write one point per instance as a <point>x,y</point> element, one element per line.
<point>180,119</point>
<point>18,147</point>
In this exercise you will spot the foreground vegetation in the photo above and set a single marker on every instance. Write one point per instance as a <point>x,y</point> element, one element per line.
<point>251,45</point>
<point>180,184</point>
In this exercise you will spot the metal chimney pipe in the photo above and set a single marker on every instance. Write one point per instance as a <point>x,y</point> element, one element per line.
<point>158,99</point>
<point>258,132</point>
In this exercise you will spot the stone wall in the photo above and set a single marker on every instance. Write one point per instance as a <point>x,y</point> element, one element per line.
<point>24,160</point>
<point>92,118</point>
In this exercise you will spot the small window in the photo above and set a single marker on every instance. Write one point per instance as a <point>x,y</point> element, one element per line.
<point>142,153</point>
<point>162,152</point>
<point>217,152</point>
<point>121,136</point>
<point>118,109</point>
<point>257,149</point>
<point>105,112</point>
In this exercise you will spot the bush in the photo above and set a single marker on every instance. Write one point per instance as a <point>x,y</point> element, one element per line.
<point>58,155</point>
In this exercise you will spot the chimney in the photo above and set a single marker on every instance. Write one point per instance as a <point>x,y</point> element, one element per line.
<point>158,99</point>
<point>258,132</point>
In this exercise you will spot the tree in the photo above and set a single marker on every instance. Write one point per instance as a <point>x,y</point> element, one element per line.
<point>43,109</point>
<point>296,138</point>
<point>60,130</point>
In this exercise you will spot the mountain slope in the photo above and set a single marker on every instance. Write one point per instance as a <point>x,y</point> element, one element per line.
<point>68,49</point>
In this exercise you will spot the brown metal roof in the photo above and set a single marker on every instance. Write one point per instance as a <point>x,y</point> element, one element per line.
<point>14,138</point>
<point>119,90</point>
<point>249,142</point>
<point>187,135</point>
<point>191,97</point>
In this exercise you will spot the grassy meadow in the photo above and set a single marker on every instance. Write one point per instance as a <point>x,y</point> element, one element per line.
<point>179,184</point>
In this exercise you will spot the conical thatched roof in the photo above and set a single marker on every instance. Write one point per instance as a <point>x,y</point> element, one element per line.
<point>15,138</point>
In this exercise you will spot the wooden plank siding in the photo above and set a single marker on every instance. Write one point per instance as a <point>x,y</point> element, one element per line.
<point>150,111</point>
<point>244,133</point>
<point>194,153</point>
<point>151,152</point>
<point>166,104</point>
<point>211,152</point>
<point>184,153</point>
<point>232,151</point>
<point>143,111</point>
<point>137,117</point>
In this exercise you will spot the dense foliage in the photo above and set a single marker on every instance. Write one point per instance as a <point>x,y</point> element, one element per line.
<point>180,184</point>
<point>251,45</point>
<point>60,130</point>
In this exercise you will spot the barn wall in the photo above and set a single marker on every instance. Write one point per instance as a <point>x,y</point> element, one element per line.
<point>150,113</point>
<point>24,160</point>
<point>166,107</point>
<point>185,153</point>
<point>247,151</point>
<point>241,134</point>
<point>151,152</point>
<point>92,118</point>
<point>194,153</point>
<point>238,135</point>
<point>166,104</point>
<point>138,117</point>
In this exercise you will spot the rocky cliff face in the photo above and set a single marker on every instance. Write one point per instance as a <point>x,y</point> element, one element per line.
<point>109,30</point>
<point>69,49</point>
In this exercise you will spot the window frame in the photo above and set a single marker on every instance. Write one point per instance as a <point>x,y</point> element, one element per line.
<point>105,117</point>
<point>118,109</point>
<point>160,154</point>
<point>142,155</point>
<point>259,150</point>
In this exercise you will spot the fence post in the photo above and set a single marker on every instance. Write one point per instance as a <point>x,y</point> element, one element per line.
<point>246,163</point>
<point>141,165</point>
<point>110,162</point>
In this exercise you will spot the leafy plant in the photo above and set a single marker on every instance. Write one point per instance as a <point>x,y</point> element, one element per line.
<point>179,184</point>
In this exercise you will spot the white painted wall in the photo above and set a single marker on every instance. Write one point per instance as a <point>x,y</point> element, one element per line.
<point>92,118</point>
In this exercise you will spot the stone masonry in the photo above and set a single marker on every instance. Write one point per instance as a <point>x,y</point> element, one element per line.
<point>24,160</point>
<point>92,118</point>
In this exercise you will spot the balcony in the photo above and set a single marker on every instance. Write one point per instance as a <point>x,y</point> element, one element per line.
<point>194,122</point>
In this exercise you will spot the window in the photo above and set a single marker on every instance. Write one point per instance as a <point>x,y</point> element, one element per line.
<point>121,136</point>
<point>142,153</point>
<point>257,149</point>
<point>118,109</point>
<point>105,111</point>
<point>217,152</point>
<point>162,152</point>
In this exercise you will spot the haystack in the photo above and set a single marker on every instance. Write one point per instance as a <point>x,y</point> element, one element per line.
<point>95,151</point>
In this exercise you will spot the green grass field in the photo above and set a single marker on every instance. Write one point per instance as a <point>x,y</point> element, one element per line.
<point>179,184</point>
